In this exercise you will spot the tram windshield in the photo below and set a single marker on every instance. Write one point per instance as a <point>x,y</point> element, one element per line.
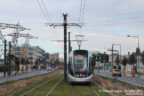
<point>81,62</point>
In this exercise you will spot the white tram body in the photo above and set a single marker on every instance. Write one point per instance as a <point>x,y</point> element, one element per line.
<point>80,67</point>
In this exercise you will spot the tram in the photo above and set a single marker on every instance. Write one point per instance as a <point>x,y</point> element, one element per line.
<point>79,67</point>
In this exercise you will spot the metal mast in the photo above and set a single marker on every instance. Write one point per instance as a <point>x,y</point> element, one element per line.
<point>15,35</point>
<point>65,25</point>
<point>27,38</point>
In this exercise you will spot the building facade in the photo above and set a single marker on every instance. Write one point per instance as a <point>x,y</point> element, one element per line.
<point>31,54</point>
<point>53,59</point>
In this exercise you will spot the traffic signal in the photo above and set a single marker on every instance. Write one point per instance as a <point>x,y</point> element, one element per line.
<point>98,58</point>
<point>91,56</point>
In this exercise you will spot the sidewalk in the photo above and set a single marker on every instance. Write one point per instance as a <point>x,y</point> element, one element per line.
<point>8,78</point>
<point>126,75</point>
<point>131,80</point>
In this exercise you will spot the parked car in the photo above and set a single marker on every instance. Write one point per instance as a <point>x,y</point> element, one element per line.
<point>116,72</point>
<point>49,69</point>
<point>53,69</point>
<point>56,68</point>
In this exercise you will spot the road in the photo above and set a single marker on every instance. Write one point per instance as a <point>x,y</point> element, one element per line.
<point>135,81</point>
<point>23,76</point>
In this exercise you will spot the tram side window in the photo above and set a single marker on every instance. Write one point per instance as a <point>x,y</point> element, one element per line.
<point>70,65</point>
<point>90,65</point>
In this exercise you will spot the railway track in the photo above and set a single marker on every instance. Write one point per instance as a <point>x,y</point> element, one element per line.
<point>102,88</point>
<point>41,84</point>
<point>35,89</point>
<point>57,87</point>
<point>86,87</point>
<point>53,87</point>
<point>73,94</point>
<point>94,91</point>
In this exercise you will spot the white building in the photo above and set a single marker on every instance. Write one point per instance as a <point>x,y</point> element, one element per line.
<point>30,53</point>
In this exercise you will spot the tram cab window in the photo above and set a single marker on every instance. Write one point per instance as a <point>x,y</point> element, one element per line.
<point>80,61</point>
<point>80,64</point>
<point>90,65</point>
<point>70,65</point>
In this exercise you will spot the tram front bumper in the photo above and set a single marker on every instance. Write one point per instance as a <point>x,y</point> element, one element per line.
<point>80,80</point>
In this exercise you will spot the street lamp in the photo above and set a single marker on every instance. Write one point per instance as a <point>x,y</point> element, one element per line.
<point>134,37</point>
<point>113,50</point>
<point>112,54</point>
<point>119,51</point>
<point>138,49</point>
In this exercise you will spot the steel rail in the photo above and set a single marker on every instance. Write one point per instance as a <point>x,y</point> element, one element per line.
<point>94,91</point>
<point>41,84</point>
<point>103,88</point>
<point>73,93</point>
<point>53,87</point>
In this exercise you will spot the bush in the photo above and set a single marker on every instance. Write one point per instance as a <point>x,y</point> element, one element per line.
<point>1,69</point>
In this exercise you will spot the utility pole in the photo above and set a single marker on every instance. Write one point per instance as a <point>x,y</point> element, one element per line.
<point>65,47</point>
<point>9,64</point>
<point>15,35</point>
<point>104,61</point>
<point>98,66</point>
<point>137,64</point>
<point>112,56</point>
<point>65,24</point>
<point>138,61</point>
<point>5,61</point>
<point>70,47</point>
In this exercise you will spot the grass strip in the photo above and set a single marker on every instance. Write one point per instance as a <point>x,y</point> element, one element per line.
<point>32,87</point>
<point>13,81</point>
<point>115,86</point>
<point>25,90</point>
<point>99,90</point>
<point>47,76</point>
<point>122,82</point>
<point>63,89</point>
<point>83,90</point>
<point>42,91</point>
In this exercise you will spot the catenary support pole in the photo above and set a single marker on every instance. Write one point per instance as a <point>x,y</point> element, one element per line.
<point>9,63</point>
<point>65,47</point>
<point>64,24</point>
<point>69,42</point>
<point>5,60</point>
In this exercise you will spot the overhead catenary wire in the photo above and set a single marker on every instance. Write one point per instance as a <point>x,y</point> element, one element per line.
<point>45,13</point>
<point>45,16</point>
<point>81,13</point>
<point>82,10</point>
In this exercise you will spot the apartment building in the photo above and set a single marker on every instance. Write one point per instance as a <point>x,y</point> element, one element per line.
<point>31,54</point>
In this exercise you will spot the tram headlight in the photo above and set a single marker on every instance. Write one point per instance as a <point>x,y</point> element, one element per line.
<point>78,75</point>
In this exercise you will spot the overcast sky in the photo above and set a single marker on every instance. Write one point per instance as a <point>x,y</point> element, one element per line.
<point>106,22</point>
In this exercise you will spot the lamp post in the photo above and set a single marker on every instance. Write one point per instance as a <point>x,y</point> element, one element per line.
<point>112,55</point>
<point>104,61</point>
<point>119,51</point>
<point>108,49</point>
<point>138,49</point>
<point>113,50</point>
